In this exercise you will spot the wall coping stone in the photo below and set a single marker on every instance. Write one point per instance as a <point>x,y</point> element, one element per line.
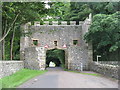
<point>97,63</point>
<point>37,23</point>
<point>72,22</point>
<point>54,22</point>
<point>10,61</point>
<point>46,22</point>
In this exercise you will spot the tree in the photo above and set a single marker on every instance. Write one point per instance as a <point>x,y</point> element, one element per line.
<point>79,11</point>
<point>104,33</point>
<point>14,14</point>
<point>0,31</point>
<point>59,11</point>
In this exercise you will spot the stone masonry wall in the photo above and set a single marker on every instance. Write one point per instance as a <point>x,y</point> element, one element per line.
<point>109,62</point>
<point>78,58</point>
<point>35,58</point>
<point>46,35</point>
<point>63,34</point>
<point>9,67</point>
<point>105,69</point>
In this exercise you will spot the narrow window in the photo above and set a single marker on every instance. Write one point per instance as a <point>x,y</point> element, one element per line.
<point>35,42</point>
<point>75,42</point>
<point>55,43</point>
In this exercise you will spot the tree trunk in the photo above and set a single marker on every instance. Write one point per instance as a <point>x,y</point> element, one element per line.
<point>0,31</point>
<point>3,43</point>
<point>12,42</point>
<point>11,26</point>
<point>0,44</point>
<point>3,49</point>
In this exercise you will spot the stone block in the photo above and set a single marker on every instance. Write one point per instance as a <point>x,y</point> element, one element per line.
<point>36,23</point>
<point>54,22</point>
<point>80,22</point>
<point>72,22</point>
<point>46,23</point>
<point>63,22</point>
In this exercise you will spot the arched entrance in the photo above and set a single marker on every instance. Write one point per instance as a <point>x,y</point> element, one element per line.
<point>56,56</point>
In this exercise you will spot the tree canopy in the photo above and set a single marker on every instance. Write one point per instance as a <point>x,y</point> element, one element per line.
<point>13,15</point>
<point>104,31</point>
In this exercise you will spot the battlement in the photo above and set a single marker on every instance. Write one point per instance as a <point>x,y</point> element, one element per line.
<point>37,23</point>
<point>87,21</point>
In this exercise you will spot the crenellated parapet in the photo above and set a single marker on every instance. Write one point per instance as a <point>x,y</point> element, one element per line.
<point>37,23</point>
<point>87,21</point>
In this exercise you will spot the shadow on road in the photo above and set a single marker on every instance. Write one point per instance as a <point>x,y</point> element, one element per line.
<point>54,69</point>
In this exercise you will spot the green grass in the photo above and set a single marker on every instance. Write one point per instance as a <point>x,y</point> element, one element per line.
<point>65,69</point>
<point>19,77</point>
<point>93,74</point>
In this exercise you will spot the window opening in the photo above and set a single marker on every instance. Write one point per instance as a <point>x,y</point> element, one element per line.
<point>55,42</point>
<point>35,42</point>
<point>75,42</point>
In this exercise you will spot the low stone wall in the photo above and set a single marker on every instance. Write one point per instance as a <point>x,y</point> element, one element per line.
<point>105,69</point>
<point>109,62</point>
<point>9,67</point>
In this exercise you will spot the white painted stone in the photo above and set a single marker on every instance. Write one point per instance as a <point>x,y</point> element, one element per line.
<point>37,23</point>
<point>46,22</point>
<point>63,22</point>
<point>72,22</point>
<point>54,22</point>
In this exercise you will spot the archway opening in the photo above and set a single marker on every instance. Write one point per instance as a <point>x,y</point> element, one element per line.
<point>55,58</point>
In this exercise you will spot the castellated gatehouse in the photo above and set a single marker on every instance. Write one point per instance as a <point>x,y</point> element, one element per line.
<point>37,39</point>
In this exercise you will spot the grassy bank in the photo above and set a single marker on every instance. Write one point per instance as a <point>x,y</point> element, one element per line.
<point>19,78</point>
<point>92,74</point>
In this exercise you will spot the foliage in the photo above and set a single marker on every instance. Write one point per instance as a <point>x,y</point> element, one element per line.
<point>35,42</point>
<point>80,10</point>
<point>104,33</point>
<point>27,12</point>
<point>59,11</point>
<point>19,78</point>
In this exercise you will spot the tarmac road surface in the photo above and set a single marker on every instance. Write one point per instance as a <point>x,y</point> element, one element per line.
<point>57,78</point>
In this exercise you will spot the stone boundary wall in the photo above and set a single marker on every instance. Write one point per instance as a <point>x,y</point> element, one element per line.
<point>9,67</point>
<point>105,69</point>
<point>109,62</point>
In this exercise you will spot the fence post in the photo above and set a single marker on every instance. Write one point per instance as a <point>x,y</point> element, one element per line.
<point>98,57</point>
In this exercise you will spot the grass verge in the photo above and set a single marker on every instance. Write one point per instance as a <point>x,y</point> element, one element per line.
<point>93,74</point>
<point>19,77</point>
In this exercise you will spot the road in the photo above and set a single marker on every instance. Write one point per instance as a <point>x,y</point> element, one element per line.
<point>57,78</point>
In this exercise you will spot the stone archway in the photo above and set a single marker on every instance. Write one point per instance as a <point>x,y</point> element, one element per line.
<point>35,58</point>
<point>67,37</point>
<point>57,56</point>
<point>65,52</point>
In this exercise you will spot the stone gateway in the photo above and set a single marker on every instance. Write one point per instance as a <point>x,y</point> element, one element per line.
<point>37,39</point>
